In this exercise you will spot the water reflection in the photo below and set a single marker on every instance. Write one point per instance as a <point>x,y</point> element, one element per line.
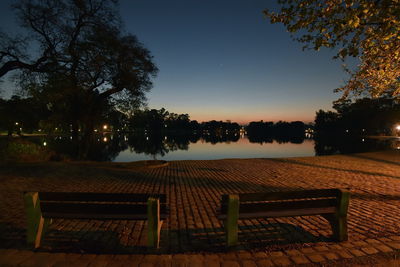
<point>345,144</point>
<point>136,146</point>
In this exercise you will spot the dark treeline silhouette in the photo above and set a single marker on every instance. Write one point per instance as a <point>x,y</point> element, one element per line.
<point>150,131</point>
<point>21,115</point>
<point>363,117</point>
<point>345,130</point>
<point>281,131</point>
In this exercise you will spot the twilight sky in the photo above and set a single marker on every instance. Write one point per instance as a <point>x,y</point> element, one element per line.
<point>223,60</point>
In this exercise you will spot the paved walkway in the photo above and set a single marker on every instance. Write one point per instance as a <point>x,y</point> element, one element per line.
<point>192,236</point>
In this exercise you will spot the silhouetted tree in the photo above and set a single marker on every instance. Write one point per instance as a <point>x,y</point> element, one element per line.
<point>326,122</point>
<point>361,117</point>
<point>86,61</point>
<point>20,113</point>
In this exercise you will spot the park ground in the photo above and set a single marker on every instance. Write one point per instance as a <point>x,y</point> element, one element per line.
<point>192,235</point>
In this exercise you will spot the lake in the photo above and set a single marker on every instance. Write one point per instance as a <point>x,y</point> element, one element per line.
<point>242,148</point>
<point>125,148</point>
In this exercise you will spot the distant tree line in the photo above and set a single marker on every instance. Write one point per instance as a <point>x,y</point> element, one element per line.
<point>344,130</point>
<point>32,115</point>
<point>281,131</point>
<point>366,116</point>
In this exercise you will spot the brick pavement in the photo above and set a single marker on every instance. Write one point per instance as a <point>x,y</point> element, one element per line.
<point>192,236</point>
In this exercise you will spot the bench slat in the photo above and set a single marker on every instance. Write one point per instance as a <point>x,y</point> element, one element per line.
<point>55,215</point>
<point>304,194</point>
<point>288,205</point>
<point>84,210</point>
<point>283,213</point>
<point>100,197</point>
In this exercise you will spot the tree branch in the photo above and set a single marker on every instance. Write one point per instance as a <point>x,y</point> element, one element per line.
<point>110,92</point>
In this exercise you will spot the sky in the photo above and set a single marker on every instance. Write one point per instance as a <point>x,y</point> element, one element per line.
<point>223,60</point>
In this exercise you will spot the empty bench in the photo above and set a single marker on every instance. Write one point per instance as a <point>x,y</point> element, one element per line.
<point>42,207</point>
<point>332,204</point>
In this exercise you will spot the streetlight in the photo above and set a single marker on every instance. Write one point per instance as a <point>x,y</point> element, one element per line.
<point>397,127</point>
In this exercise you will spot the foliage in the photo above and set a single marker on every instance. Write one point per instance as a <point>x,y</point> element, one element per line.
<point>20,114</point>
<point>86,63</point>
<point>326,122</point>
<point>364,28</point>
<point>13,149</point>
<point>160,120</point>
<point>361,117</point>
<point>282,131</point>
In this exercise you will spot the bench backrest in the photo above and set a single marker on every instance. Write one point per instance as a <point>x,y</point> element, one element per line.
<point>98,205</point>
<point>275,204</point>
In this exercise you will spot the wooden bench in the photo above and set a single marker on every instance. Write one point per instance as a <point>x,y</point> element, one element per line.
<point>42,207</point>
<point>332,204</point>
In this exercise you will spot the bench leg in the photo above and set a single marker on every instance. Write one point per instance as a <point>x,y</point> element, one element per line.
<point>36,224</point>
<point>339,226</point>
<point>154,223</point>
<point>231,223</point>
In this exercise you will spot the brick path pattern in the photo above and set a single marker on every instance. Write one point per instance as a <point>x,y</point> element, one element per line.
<point>193,191</point>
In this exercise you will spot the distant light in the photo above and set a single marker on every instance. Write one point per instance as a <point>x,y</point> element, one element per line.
<point>347,131</point>
<point>105,126</point>
<point>40,130</point>
<point>165,138</point>
<point>44,144</point>
<point>105,139</point>
<point>398,127</point>
<point>16,123</point>
<point>147,138</point>
<point>363,140</point>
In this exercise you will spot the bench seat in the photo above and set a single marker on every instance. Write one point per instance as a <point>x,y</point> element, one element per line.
<point>332,204</point>
<point>42,207</point>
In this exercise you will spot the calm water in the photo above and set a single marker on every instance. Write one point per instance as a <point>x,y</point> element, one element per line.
<point>124,148</point>
<point>242,148</point>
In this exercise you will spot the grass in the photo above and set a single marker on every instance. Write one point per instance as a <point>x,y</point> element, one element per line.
<point>20,149</point>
